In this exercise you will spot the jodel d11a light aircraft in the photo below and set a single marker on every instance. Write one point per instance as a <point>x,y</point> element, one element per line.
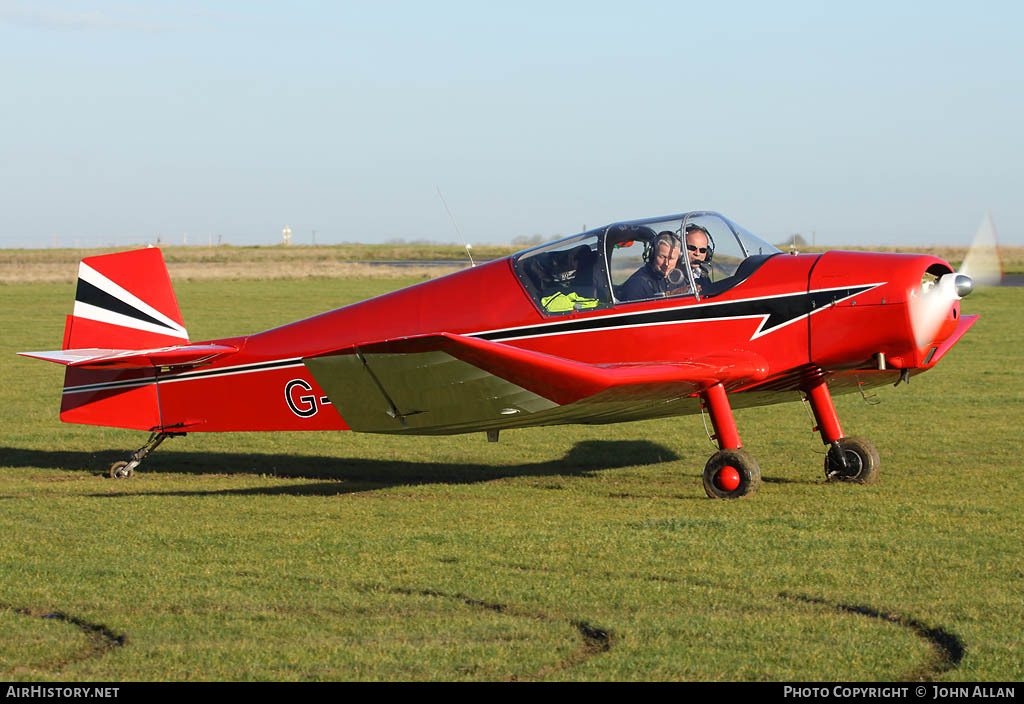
<point>553,334</point>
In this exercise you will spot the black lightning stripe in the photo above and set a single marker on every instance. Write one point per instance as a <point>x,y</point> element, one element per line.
<point>776,310</point>
<point>87,293</point>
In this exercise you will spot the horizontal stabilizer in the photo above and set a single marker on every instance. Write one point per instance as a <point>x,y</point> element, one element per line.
<point>179,356</point>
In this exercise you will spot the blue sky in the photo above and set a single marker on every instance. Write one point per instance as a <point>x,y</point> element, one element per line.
<point>867,123</point>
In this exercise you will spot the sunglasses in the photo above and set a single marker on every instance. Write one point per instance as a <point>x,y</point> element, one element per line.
<point>695,248</point>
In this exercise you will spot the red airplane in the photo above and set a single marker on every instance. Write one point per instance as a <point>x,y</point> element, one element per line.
<point>559,333</point>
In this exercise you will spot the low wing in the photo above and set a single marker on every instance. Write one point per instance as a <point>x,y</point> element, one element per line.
<point>176,356</point>
<point>447,383</point>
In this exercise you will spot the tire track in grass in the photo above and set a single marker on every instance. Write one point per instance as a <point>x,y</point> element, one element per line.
<point>947,649</point>
<point>596,640</point>
<point>101,639</point>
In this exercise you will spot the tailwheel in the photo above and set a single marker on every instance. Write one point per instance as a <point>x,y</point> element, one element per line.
<point>126,469</point>
<point>730,474</point>
<point>121,470</point>
<point>852,460</point>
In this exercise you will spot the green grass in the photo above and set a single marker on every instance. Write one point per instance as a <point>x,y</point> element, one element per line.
<point>559,553</point>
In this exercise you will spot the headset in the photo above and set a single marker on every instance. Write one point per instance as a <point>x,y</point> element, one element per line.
<point>665,237</point>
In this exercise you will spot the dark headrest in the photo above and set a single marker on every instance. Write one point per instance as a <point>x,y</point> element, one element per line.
<point>563,267</point>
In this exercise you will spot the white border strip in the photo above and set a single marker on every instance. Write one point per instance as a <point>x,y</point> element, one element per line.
<point>188,376</point>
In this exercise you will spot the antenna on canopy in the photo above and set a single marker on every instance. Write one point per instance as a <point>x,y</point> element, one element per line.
<point>457,230</point>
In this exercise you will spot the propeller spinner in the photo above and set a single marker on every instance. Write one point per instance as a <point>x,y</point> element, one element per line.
<point>935,303</point>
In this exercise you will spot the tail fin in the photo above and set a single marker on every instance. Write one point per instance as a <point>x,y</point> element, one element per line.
<point>125,324</point>
<point>124,301</point>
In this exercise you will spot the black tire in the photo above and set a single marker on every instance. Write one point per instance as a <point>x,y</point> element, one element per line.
<point>743,463</point>
<point>121,470</point>
<point>862,462</point>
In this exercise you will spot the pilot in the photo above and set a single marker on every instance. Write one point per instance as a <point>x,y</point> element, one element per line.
<point>698,250</point>
<point>649,280</point>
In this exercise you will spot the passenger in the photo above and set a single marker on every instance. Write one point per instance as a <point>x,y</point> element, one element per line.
<point>699,251</point>
<point>649,280</point>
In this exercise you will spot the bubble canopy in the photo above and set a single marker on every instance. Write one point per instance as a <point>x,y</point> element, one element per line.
<point>700,254</point>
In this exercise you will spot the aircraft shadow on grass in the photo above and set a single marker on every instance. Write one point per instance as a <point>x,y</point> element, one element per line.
<point>345,475</point>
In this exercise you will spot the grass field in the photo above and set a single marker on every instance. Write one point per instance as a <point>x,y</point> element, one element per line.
<point>255,262</point>
<point>200,263</point>
<point>575,553</point>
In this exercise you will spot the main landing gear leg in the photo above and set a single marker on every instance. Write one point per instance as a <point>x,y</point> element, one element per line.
<point>848,459</point>
<point>731,472</point>
<point>126,469</point>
